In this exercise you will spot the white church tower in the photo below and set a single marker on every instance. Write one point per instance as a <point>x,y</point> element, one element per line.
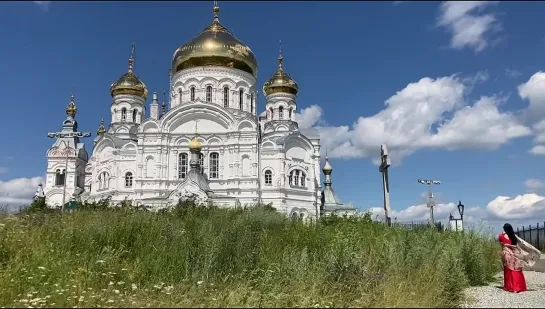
<point>127,110</point>
<point>66,161</point>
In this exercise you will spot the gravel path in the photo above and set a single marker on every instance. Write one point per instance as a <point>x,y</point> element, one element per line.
<point>493,295</point>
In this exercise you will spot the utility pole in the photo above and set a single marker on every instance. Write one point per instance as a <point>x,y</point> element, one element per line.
<point>431,200</point>
<point>383,168</point>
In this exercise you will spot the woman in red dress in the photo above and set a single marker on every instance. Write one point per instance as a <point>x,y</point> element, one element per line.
<point>513,277</point>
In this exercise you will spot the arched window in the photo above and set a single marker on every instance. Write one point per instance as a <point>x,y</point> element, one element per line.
<point>297,178</point>
<point>134,112</point>
<point>201,163</point>
<point>208,93</point>
<point>128,180</point>
<point>251,102</point>
<point>123,114</point>
<point>290,112</point>
<point>180,95</point>
<point>214,165</point>
<point>281,112</point>
<point>271,112</point>
<point>225,96</point>
<point>192,94</point>
<point>268,178</point>
<point>241,99</point>
<point>103,181</point>
<point>182,165</point>
<point>60,176</point>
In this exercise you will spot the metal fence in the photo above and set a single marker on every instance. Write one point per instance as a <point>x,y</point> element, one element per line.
<point>418,225</point>
<point>535,235</point>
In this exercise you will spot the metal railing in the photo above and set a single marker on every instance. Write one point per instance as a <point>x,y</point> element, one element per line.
<point>418,225</point>
<point>535,235</point>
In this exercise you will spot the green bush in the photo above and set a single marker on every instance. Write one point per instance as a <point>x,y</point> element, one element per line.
<point>213,257</point>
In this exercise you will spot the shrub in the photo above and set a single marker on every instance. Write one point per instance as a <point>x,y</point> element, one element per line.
<point>208,256</point>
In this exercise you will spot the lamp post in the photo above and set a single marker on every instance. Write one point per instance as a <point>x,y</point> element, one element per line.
<point>431,200</point>
<point>455,221</point>
<point>461,210</point>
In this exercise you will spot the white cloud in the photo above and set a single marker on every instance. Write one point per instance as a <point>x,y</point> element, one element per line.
<point>538,150</point>
<point>534,184</point>
<point>468,26</point>
<point>522,207</point>
<point>521,210</point>
<point>309,116</point>
<point>18,192</point>
<point>512,73</point>
<point>416,117</point>
<point>43,4</point>
<point>533,92</point>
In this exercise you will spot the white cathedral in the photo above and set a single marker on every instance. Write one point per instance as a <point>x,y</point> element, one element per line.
<point>208,144</point>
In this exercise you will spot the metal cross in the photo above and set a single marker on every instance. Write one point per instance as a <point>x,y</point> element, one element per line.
<point>383,168</point>
<point>196,123</point>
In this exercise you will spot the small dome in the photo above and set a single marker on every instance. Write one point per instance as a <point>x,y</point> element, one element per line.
<point>215,46</point>
<point>129,83</point>
<point>327,167</point>
<point>71,109</point>
<point>195,145</point>
<point>280,81</point>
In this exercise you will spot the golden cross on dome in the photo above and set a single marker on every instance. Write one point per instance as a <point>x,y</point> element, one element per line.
<point>216,11</point>
<point>196,124</point>
<point>131,59</point>
<point>280,58</point>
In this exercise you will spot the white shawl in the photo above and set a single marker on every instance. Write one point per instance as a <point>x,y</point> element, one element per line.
<point>530,255</point>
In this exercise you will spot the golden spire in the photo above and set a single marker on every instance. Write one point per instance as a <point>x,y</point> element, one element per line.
<point>195,144</point>
<point>71,109</point>
<point>216,11</point>
<point>280,58</point>
<point>101,129</point>
<point>280,81</point>
<point>327,167</point>
<point>131,58</point>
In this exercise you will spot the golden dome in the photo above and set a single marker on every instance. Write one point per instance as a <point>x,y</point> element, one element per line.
<point>194,144</point>
<point>215,46</point>
<point>280,81</point>
<point>327,167</point>
<point>129,83</point>
<point>71,109</point>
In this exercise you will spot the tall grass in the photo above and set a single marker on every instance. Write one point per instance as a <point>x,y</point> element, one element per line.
<point>210,257</point>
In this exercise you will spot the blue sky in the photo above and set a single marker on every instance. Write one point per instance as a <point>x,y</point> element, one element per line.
<point>348,58</point>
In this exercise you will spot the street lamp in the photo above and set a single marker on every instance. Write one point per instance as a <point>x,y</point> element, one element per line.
<point>461,210</point>
<point>455,221</point>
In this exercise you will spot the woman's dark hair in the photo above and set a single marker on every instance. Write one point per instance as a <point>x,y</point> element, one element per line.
<point>508,229</point>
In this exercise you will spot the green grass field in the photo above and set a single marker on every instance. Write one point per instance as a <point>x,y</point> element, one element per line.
<point>210,257</point>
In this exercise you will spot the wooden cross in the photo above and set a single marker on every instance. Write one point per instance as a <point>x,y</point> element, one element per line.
<point>385,163</point>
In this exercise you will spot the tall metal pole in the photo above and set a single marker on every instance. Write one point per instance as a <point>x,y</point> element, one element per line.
<point>431,200</point>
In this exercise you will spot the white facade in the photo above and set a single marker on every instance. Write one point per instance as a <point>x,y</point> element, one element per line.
<point>246,158</point>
